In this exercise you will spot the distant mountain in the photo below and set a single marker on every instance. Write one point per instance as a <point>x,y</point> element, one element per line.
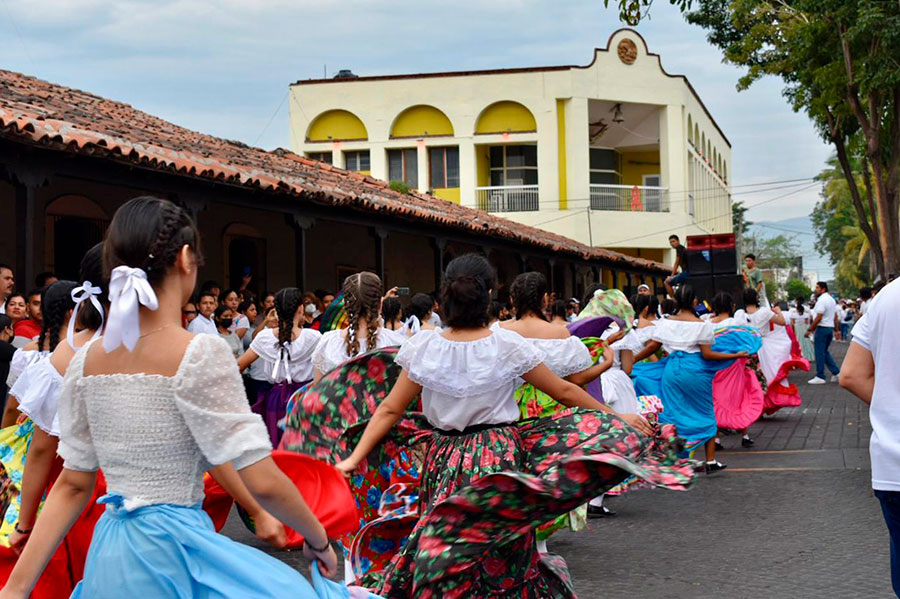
<point>801,229</point>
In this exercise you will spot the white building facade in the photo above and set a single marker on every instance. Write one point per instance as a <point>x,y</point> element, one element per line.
<point>615,154</point>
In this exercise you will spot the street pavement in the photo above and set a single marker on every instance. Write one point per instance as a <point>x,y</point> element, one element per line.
<point>793,517</point>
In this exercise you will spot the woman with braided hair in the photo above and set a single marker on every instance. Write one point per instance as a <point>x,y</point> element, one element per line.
<point>362,300</point>
<point>287,353</point>
<point>156,406</point>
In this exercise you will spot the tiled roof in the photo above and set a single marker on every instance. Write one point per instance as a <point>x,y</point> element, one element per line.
<point>58,117</point>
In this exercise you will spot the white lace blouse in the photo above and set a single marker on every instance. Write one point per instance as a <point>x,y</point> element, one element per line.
<point>682,335</point>
<point>331,351</point>
<point>37,390</point>
<point>467,383</point>
<point>298,368</point>
<point>153,435</point>
<point>563,356</point>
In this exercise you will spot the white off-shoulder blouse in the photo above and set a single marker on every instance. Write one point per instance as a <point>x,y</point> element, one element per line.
<point>331,350</point>
<point>296,365</point>
<point>37,390</point>
<point>682,335</point>
<point>468,383</point>
<point>153,435</point>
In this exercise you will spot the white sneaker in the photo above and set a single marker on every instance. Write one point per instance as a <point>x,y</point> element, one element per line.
<point>836,378</point>
<point>816,381</point>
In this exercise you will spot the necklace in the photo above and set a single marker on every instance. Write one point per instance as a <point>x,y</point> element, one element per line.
<point>165,326</point>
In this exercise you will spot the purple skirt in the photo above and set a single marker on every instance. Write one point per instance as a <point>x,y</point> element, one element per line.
<point>272,405</point>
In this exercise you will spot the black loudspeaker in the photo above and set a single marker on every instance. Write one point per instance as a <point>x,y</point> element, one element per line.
<point>704,287</point>
<point>724,261</point>
<point>699,262</point>
<point>730,284</point>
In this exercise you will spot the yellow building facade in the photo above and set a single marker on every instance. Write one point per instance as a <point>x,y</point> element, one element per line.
<point>617,153</point>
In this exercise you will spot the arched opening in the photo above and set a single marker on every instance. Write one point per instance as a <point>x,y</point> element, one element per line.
<point>421,121</point>
<point>703,144</point>
<point>245,254</point>
<point>74,225</point>
<point>696,134</point>
<point>690,130</point>
<point>336,125</point>
<point>505,117</point>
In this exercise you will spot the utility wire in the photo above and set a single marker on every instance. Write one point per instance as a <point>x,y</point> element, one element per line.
<point>271,118</point>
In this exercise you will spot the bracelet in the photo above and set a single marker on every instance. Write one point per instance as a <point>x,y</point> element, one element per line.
<point>317,549</point>
<point>23,532</point>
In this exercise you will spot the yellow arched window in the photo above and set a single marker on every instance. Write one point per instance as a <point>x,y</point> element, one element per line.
<point>421,121</point>
<point>337,125</point>
<point>505,117</point>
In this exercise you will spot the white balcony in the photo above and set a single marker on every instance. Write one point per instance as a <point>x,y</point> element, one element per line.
<point>507,198</point>
<point>629,198</point>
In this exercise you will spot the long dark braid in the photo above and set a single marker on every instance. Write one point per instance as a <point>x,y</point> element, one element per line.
<point>56,301</point>
<point>287,302</point>
<point>362,301</point>
<point>527,293</point>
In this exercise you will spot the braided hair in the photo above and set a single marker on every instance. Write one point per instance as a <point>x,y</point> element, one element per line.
<point>527,294</point>
<point>287,302</point>
<point>420,305</point>
<point>56,302</point>
<point>92,270</point>
<point>148,233</point>
<point>362,301</point>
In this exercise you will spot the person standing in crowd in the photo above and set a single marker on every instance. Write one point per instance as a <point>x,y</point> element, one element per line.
<point>435,318</point>
<point>559,313</point>
<point>870,372</point>
<point>188,313</point>
<point>17,310</point>
<point>206,307</point>
<point>801,322</point>
<point>7,285</point>
<point>824,328</point>
<point>677,278</point>
<point>287,355</point>
<point>847,316</point>
<point>231,299</point>
<point>213,288</point>
<point>266,305</point>
<point>31,326</point>
<point>753,279</point>
<point>643,289</point>
<point>418,314</point>
<point>312,311</point>
<point>224,318</point>
<point>45,279</point>
<point>865,296</point>
<point>390,314</point>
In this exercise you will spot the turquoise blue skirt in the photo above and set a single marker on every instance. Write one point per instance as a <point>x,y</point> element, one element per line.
<point>173,552</point>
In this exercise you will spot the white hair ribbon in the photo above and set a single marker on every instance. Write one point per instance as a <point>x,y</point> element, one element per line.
<point>86,292</point>
<point>413,324</point>
<point>281,359</point>
<point>128,290</point>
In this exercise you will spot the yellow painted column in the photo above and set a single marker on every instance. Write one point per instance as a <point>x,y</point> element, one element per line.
<point>561,149</point>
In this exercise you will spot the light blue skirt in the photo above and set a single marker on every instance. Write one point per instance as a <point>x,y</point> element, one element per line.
<point>173,552</point>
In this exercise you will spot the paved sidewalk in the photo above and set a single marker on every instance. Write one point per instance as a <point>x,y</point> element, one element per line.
<point>794,517</point>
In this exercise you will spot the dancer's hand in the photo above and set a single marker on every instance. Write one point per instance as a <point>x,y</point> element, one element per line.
<point>270,529</point>
<point>17,541</point>
<point>638,423</point>
<point>346,467</point>
<point>327,560</point>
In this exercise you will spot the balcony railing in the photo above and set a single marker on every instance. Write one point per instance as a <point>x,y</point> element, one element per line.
<point>507,198</point>
<point>629,198</point>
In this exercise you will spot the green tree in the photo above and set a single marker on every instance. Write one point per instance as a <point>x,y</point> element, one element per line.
<point>739,217</point>
<point>777,252</point>
<point>795,288</point>
<point>838,60</point>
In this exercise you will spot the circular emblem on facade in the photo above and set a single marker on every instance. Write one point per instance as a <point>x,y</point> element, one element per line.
<point>627,51</point>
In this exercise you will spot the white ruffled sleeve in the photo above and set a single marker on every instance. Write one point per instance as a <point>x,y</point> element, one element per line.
<point>320,355</point>
<point>630,341</point>
<point>564,356</point>
<point>517,354</point>
<point>265,345</point>
<point>210,395</point>
<point>76,446</point>
<point>305,344</point>
<point>38,391</point>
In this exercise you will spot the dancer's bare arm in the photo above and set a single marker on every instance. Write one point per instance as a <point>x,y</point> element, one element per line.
<point>386,415</point>
<point>651,348</point>
<point>68,497</point>
<point>247,359</point>
<point>586,376</point>
<point>268,528</point>
<point>709,354</point>
<point>858,372</point>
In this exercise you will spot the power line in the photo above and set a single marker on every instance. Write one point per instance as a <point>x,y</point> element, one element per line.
<point>697,222</point>
<point>271,118</point>
<point>19,35</point>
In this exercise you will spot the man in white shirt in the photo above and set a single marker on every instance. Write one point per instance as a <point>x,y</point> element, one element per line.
<point>7,285</point>
<point>206,305</point>
<point>825,315</point>
<point>870,372</point>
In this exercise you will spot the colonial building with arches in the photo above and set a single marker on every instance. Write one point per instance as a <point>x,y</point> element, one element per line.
<point>617,153</point>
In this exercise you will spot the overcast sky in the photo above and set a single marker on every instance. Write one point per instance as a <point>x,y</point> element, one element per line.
<point>224,67</point>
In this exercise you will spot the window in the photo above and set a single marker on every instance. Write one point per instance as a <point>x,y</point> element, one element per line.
<point>513,165</point>
<point>320,156</point>
<point>444,163</point>
<point>606,166</point>
<point>403,165</point>
<point>357,161</point>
